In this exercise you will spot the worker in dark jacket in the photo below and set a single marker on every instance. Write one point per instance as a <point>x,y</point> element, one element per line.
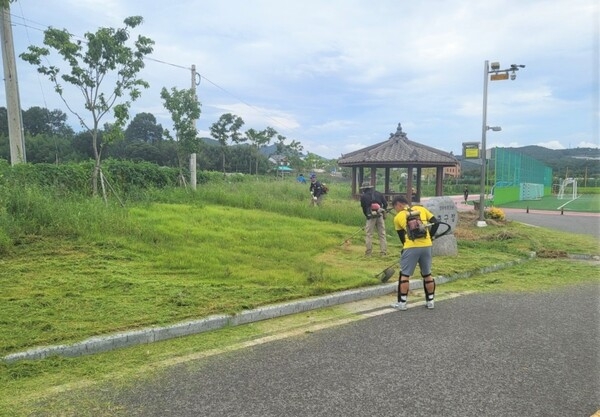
<point>316,191</point>
<point>374,205</point>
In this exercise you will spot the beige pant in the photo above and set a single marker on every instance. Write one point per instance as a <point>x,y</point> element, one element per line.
<point>377,223</point>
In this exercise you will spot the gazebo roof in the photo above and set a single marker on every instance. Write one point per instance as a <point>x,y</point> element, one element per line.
<point>398,151</point>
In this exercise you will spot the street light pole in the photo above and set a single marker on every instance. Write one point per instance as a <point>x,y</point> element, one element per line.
<point>496,74</point>
<point>481,222</point>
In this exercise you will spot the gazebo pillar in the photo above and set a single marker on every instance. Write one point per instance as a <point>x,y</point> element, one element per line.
<point>387,181</point>
<point>418,189</point>
<point>373,178</point>
<point>409,184</point>
<point>439,181</point>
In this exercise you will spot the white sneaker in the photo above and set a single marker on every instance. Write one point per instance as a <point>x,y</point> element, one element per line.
<point>399,306</point>
<point>429,304</point>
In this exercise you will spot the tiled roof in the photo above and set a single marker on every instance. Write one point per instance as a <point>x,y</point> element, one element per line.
<point>398,151</point>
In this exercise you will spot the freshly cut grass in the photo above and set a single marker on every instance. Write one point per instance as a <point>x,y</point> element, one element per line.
<point>164,263</point>
<point>174,262</point>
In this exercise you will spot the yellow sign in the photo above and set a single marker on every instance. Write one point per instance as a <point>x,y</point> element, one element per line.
<point>470,150</point>
<point>471,153</point>
<point>498,77</point>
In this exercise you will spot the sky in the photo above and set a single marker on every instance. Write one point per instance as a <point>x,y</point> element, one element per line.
<point>340,75</point>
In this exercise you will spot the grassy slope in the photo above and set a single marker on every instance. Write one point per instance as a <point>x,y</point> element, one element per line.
<point>174,262</point>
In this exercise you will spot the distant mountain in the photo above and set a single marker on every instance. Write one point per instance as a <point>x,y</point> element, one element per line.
<point>575,162</point>
<point>544,154</point>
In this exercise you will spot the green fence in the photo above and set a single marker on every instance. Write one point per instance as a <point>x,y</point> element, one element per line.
<point>518,177</point>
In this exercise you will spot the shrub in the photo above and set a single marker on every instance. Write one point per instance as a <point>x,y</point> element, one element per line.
<point>495,213</point>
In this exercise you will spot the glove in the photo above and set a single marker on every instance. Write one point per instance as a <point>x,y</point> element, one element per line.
<point>314,198</point>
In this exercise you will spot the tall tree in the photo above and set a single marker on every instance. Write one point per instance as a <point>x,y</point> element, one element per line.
<point>184,109</point>
<point>226,129</point>
<point>104,56</point>
<point>258,140</point>
<point>143,127</point>
<point>39,120</point>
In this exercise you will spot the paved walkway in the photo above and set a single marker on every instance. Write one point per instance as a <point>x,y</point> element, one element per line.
<point>574,222</point>
<point>475,355</point>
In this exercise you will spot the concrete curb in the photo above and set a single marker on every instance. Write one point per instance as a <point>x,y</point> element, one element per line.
<point>154,334</point>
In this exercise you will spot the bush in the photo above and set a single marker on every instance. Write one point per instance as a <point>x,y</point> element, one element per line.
<point>495,213</point>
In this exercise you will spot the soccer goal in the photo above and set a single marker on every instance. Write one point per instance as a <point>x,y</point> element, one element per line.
<point>564,184</point>
<point>530,191</point>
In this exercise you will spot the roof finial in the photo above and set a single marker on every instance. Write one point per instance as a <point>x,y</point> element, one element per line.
<point>399,131</point>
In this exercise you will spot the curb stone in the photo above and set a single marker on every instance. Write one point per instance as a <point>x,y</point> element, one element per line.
<point>154,334</point>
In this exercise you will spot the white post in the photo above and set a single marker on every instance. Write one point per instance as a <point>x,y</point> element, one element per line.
<point>193,171</point>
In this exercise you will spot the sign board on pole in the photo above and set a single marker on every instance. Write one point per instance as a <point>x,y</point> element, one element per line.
<point>498,77</point>
<point>471,150</point>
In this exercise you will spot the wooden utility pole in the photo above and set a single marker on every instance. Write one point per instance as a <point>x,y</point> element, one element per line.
<point>13,103</point>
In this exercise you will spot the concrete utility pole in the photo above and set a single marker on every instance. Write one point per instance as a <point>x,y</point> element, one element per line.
<point>195,82</point>
<point>13,103</point>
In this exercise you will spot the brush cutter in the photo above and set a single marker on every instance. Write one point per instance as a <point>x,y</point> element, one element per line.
<point>445,232</point>
<point>387,273</point>
<point>351,236</point>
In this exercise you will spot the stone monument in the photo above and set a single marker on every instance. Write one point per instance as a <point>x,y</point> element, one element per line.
<point>445,210</point>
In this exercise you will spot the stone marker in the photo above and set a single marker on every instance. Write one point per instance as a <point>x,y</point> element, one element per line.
<point>445,210</point>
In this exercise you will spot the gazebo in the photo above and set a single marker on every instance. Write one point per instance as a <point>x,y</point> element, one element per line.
<point>397,152</point>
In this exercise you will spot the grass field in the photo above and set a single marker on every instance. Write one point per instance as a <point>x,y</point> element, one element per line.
<point>76,269</point>
<point>587,203</point>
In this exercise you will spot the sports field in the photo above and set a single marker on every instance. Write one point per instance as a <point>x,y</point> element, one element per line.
<point>589,203</point>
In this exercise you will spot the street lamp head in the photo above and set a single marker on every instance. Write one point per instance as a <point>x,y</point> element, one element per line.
<point>494,128</point>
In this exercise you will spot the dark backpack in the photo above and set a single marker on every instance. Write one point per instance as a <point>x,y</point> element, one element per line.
<point>415,229</point>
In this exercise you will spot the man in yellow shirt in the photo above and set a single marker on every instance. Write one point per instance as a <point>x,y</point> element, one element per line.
<point>415,226</point>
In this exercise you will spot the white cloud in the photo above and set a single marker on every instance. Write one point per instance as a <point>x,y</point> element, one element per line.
<point>342,74</point>
<point>554,144</point>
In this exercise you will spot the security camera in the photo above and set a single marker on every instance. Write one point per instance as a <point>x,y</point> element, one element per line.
<point>513,76</point>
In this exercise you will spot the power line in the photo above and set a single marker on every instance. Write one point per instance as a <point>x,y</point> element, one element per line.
<point>41,28</point>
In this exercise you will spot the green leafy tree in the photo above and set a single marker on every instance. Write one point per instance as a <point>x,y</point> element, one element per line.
<point>258,140</point>
<point>103,57</point>
<point>39,120</point>
<point>226,129</point>
<point>143,127</point>
<point>4,122</point>
<point>185,109</point>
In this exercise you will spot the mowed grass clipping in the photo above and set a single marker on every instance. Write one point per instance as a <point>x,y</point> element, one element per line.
<point>176,262</point>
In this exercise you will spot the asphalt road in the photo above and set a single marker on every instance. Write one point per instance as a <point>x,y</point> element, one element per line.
<point>475,355</point>
<point>579,223</point>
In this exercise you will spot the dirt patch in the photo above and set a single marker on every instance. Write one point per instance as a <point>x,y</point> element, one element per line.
<point>547,253</point>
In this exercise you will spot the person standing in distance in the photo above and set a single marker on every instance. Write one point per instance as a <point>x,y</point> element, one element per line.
<point>414,251</point>
<point>373,205</point>
<point>316,191</point>
<point>466,194</point>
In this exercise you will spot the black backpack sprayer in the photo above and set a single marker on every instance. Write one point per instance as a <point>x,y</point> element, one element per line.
<point>385,275</point>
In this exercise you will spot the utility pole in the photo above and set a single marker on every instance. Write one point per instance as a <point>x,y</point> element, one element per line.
<point>13,103</point>
<point>193,156</point>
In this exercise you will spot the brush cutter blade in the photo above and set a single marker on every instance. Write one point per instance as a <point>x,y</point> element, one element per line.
<point>386,274</point>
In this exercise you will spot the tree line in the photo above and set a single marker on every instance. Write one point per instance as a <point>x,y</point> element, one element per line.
<point>50,139</point>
